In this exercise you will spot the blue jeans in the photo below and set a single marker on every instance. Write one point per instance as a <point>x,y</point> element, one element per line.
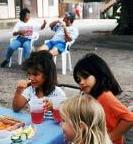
<point>58,44</point>
<point>16,43</point>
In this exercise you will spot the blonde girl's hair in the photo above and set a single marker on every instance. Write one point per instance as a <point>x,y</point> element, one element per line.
<point>88,119</point>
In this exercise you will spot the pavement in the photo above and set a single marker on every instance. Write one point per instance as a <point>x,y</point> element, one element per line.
<point>95,36</point>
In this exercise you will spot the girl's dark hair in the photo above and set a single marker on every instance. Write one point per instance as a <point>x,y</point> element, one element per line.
<point>23,13</point>
<point>92,64</point>
<point>43,61</point>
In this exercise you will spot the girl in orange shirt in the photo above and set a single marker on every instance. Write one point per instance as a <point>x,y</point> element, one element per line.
<point>95,77</point>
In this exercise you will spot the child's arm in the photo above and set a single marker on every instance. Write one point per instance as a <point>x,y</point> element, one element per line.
<point>122,127</point>
<point>19,101</point>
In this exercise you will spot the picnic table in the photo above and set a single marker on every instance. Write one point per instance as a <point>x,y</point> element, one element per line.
<point>48,132</point>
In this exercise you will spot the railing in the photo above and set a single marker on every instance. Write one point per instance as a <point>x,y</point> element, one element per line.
<point>105,6</point>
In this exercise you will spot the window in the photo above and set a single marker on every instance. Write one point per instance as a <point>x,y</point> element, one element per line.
<point>3,2</point>
<point>51,2</point>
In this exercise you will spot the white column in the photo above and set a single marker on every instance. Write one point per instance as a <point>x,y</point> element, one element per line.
<point>11,9</point>
<point>40,8</point>
<point>53,10</point>
<point>3,11</point>
<point>45,8</point>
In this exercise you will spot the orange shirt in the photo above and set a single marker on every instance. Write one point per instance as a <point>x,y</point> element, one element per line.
<point>114,111</point>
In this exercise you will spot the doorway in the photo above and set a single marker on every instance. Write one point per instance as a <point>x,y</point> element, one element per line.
<point>18,7</point>
<point>32,6</point>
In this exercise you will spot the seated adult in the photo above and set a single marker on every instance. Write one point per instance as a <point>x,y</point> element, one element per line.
<point>23,31</point>
<point>64,32</point>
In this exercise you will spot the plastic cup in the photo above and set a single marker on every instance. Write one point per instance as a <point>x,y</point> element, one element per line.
<point>37,111</point>
<point>56,115</point>
<point>55,111</point>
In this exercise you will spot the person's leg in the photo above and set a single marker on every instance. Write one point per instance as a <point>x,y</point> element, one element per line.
<point>54,51</point>
<point>42,47</point>
<point>58,47</point>
<point>26,49</point>
<point>14,44</point>
<point>48,44</point>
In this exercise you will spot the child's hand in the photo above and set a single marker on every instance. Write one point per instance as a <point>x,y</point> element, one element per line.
<point>22,84</point>
<point>48,105</point>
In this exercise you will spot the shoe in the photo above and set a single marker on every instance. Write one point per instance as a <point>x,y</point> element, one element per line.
<point>4,63</point>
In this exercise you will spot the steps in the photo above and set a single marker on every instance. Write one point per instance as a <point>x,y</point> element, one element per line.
<point>7,24</point>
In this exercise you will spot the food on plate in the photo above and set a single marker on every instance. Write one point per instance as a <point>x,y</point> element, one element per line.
<point>9,123</point>
<point>22,134</point>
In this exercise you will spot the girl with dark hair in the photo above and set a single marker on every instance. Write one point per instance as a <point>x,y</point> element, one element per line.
<point>95,77</point>
<point>23,31</point>
<point>41,83</point>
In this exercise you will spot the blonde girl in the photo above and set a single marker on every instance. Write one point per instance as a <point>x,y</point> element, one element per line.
<point>83,121</point>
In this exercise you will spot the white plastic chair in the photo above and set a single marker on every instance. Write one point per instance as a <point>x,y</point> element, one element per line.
<point>64,55</point>
<point>35,37</point>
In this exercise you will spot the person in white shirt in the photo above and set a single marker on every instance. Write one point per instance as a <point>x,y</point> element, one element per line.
<point>23,31</point>
<point>41,83</point>
<point>64,32</point>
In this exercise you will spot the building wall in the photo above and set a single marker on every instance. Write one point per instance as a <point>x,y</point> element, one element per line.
<point>32,6</point>
<point>53,10</point>
<point>40,8</point>
<point>91,10</point>
<point>7,10</point>
<point>44,9</point>
<point>11,9</point>
<point>50,9</point>
<point>3,11</point>
<point>62,9</point>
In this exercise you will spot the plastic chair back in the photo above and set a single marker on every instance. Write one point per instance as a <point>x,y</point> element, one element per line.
<point>66,55</point>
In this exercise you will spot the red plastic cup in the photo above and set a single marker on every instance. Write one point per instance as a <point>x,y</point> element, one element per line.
<point>56,115</point>
<point>37,116</point>
<point>37,111</point>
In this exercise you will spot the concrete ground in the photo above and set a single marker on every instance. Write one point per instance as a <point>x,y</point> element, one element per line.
<point>116,50</point>
<point>95,36</point>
